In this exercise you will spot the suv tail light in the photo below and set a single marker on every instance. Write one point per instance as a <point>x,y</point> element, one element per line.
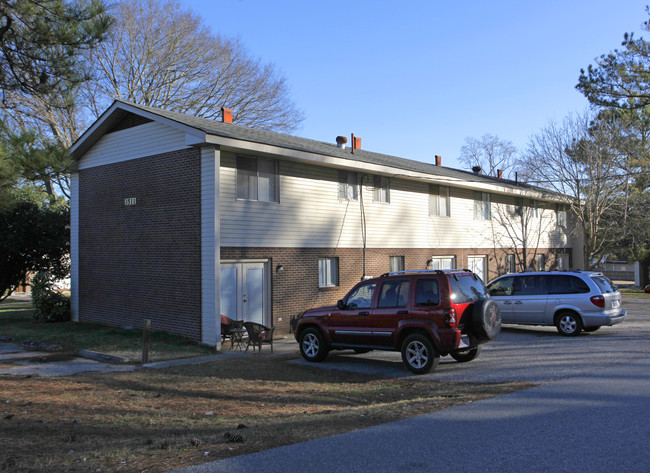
<point>598,301</point>
<point>450,318</point>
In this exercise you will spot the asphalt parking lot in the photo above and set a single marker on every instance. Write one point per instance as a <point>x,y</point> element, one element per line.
<point>524,353</point>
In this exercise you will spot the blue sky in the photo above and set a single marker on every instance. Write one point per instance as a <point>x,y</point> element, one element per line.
<point>415,78</point>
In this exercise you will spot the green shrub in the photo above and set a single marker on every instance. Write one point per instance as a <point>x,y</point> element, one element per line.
<point>49,305</point>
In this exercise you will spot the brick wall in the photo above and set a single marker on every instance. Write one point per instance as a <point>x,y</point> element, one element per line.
<point>144,260</point>
<point>296,288</point>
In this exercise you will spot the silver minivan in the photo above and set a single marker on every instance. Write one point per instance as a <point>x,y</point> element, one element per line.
<point>571,300</point>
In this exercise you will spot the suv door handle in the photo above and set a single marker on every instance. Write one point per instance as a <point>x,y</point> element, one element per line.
<point>518,302</point>
<point>507,302</point>
<point>364,313</point>
<point>402,312</point>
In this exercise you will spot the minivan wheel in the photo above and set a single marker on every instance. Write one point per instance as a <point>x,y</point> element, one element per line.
<point>418,354</point>
<point>466,355</point>
<point>568,323</point>
<point>312,345</point>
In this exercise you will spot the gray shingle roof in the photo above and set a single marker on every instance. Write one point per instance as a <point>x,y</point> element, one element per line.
<point>231,130</point>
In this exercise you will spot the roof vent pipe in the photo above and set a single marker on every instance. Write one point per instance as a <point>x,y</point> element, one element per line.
<point>340,142</point>
<point>476,169</point>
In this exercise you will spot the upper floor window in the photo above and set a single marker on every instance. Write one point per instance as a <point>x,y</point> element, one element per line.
<point>348,188</point>
<point>382,189</point>
<point>482,209</point>
<point>439,203</point>
<point>257,179</point>
<point>561,215</point>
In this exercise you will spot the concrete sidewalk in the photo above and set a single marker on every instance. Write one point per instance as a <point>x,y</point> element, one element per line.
<point>16,359</point>
<point>596,422</point>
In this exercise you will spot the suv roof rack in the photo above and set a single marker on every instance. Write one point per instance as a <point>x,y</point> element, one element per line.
<point>425,271</point>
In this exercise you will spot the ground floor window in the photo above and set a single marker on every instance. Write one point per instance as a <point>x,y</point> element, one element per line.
<point>328,272</point>
<point>442,262</point>
<point>396,263</point>
<point>478,264</point>
<point>510,264</point>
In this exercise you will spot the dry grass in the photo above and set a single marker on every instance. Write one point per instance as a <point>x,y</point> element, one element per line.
<point>158,420</point>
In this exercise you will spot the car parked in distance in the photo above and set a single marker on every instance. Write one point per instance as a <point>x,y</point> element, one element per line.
<point>423,314</point>
<point>573,301</point>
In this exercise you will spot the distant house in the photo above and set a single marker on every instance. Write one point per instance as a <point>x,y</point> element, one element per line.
<point>178,219</point>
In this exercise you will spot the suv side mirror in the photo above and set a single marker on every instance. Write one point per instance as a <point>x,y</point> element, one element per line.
<point>341,305</point>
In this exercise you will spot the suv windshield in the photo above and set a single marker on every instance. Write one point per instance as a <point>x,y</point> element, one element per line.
<point>604,284</point>
<point>466,288</point>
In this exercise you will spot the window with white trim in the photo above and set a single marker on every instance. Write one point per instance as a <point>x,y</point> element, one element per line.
<point>328,272</point>
<point>439,201</point>
<point>510,263</point>
<point>442,262</point>
<point>382,190</point>
<point>257,179</point>
<point>482,210</point>
<point>348,188</point>
<point>541,263</point>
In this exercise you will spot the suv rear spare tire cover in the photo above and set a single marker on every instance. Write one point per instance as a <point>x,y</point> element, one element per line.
<point>486,320</point>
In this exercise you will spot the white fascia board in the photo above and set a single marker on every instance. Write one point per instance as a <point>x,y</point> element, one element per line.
<point>341,163</point>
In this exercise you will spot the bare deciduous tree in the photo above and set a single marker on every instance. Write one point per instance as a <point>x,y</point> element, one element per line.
<point>580,159</point>
<point>488,152</point>
<point>160,55</point>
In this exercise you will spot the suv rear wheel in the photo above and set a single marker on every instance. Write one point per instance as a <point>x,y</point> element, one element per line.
<point>418,354</point>
<point>568,323</point>
<point>312,345</point>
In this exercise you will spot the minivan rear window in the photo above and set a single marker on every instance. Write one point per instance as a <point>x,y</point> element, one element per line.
<point>604,284</point>
<point>465,288</point>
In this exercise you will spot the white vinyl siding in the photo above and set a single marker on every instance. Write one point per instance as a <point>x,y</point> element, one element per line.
<point>132,143</point>
<point>311,215</point>
<point>328,272</point>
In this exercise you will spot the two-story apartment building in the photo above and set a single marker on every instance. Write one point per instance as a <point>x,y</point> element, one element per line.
<point>179,219</point>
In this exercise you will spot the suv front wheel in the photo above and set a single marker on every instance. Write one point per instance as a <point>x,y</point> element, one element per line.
<point>418,354</point>
<point>312,345</point>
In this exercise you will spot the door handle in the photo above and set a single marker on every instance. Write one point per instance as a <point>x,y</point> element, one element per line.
<point>402,312</point>
<point>364,313</point>
<point>518,302</point>
<point>507,302</point>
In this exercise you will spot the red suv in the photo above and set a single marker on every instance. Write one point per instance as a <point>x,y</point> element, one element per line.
<point>423,314</point>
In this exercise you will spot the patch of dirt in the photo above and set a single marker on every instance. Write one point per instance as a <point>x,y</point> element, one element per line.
<point>159,420</point>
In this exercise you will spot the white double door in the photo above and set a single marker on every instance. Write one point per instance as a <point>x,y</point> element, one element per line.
<point>245,291</point>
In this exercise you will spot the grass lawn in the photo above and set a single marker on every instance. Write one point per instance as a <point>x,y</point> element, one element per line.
<point>159,420</point>
<point>16,322</point>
